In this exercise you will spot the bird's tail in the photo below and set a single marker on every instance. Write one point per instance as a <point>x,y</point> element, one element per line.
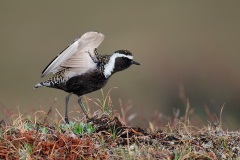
<point>47,83</point>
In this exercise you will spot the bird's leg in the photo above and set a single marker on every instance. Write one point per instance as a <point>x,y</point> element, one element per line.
<point>66,111</point>
<point>81,105</point>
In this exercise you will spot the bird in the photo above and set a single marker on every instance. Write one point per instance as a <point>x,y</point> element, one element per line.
<point>80,70</point>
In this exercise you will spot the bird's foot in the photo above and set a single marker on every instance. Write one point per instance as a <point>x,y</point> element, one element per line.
<point>66,120</point>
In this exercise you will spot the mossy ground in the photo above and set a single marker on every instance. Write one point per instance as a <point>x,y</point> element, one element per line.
<point>106,136</point>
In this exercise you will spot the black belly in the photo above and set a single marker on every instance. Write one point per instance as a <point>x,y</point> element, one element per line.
<point>85,83</point>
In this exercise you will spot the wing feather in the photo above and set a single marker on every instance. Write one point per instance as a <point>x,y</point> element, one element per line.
<point>77,54</point>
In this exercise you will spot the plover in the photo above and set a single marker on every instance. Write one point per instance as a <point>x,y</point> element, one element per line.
<point>79,69</point>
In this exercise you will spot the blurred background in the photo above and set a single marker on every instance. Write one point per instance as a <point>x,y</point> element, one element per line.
<point>188,50</point>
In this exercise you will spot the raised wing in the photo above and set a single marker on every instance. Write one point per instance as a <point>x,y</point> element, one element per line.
<point>77,54</point>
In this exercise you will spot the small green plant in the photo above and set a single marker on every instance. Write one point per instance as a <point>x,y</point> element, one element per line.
<point>81,128</point>
<point>78,128</point>
<point>176,155</point>
<point>64,127</point>
<point>44,130</point>
<point>103,144</point>
<point>28,126</point>
<point>106,103</point>
<point>89,128</point>
<point>26,151</point>
<point>105,107</point>
<point>114,133</point>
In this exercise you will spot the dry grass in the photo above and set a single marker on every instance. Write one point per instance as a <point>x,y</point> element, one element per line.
<point>111,139</point>
<point>106,136</point>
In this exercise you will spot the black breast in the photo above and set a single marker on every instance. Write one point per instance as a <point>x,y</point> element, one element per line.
<point>86,83</point>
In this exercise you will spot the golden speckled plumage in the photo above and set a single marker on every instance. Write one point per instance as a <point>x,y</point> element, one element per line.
<point>60,77</point>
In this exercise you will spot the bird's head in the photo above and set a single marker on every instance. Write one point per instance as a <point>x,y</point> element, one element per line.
<point>118,61</point>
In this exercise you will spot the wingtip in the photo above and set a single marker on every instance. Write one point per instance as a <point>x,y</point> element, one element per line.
<point>43,73</point>
<point>87,34</point>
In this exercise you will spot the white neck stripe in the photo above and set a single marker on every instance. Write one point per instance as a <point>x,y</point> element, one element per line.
<point>108,68</point>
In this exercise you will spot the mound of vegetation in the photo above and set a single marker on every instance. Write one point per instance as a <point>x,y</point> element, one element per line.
<point>107,137</point>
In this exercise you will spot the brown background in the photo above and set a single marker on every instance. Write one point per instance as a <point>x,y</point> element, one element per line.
<point>181,45</point>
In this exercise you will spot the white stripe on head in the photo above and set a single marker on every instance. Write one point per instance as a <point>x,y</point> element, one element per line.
<point>108,68</point>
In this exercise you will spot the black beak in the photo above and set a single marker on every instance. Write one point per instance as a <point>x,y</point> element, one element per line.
<point>134,62</point>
